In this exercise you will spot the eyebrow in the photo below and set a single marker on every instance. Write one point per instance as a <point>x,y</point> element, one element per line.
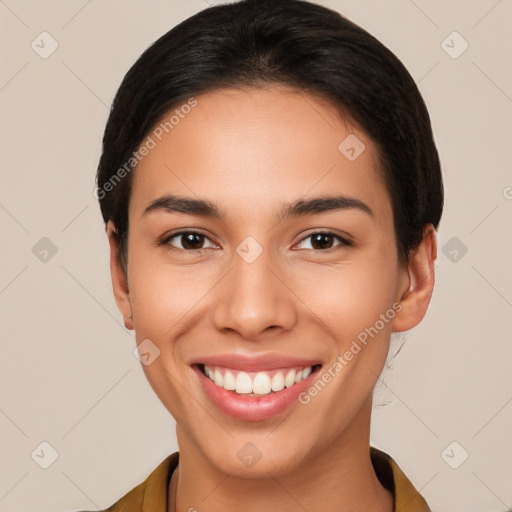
<point>302,207</point>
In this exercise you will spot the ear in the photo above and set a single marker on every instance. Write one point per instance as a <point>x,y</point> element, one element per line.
<point>119,277</point>
<point>417,289</point>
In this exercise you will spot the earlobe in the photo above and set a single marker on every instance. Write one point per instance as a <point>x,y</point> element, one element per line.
<point>416,299</point>
<point>119,277</point>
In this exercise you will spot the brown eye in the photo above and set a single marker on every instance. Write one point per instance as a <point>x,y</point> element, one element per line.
<point>325,240</point>
<point>186,241</point>
<point>192,240</point>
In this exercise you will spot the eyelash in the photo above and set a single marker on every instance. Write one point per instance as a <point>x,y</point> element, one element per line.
<point>343,241</point>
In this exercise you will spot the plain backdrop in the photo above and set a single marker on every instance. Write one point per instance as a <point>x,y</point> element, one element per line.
<point>68,375</point>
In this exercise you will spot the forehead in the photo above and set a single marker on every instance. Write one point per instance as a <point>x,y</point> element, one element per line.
<point>255,147</point>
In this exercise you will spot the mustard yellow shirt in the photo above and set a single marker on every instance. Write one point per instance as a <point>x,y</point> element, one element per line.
<point>151,495</point>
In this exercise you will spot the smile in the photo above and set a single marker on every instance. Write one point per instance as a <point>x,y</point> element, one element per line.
<point>255,389</point>
<point>256,383</point>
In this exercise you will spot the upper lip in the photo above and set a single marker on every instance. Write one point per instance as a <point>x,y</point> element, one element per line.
<point>268,361</point>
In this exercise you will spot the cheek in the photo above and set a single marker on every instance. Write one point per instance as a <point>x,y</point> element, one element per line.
<point>348,297</point>
<point>163,295</point>
<point>168,302</point>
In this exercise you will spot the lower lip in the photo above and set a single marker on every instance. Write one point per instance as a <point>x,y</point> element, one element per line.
<point>253,408</point>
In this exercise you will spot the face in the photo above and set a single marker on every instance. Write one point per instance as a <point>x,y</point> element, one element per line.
<point>246,274</point>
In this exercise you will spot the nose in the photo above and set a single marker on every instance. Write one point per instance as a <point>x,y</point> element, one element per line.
<point>254,300</point>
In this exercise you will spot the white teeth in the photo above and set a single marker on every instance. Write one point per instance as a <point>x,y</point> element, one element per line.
<point>243,383</point>
<point>289,380</point>
<point>261,384</point>
<point>229,381</point>
<point>277,382</point>
<point>217,378</point>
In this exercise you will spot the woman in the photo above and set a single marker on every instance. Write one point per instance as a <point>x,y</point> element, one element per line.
<point>271,191</point>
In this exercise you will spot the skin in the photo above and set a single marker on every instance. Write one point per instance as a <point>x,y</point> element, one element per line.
<point>249,151</point>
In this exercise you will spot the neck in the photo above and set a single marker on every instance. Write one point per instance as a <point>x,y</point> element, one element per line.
<point>338,477</point>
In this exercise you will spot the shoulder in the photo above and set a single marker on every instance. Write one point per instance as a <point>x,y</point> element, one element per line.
<point>391,476</point>
<point>151,494</point>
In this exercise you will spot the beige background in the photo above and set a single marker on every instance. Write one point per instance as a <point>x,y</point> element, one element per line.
<point>68,376</point>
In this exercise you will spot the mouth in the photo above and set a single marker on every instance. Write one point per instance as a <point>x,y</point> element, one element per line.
<point>258,383</point>
<point>254,394</point>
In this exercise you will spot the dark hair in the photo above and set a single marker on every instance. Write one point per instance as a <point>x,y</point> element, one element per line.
<point>292,42</point>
